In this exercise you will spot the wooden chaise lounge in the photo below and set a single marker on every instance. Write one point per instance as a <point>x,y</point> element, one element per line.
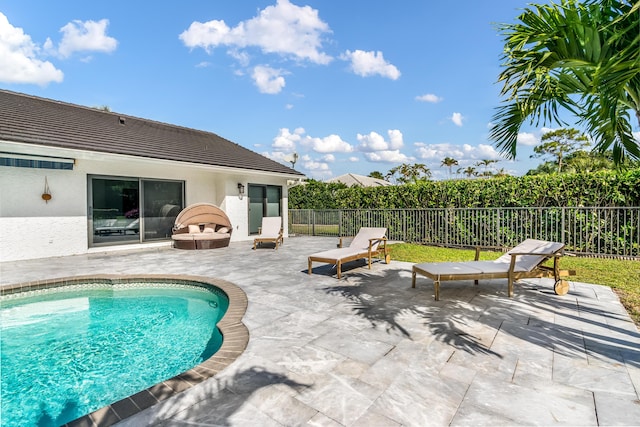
<point>270,232</point>
<point>523,261</point>
<point>369,242</point>
<point>201,226</point>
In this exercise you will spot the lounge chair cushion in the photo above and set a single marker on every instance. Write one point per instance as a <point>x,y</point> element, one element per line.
<point>361,240</point>
<point>222,230</point>
<point>270,232</point>
<point>208,230</point>
<point>209,236</point>
<point>471,267</point>
<point>529,262</point>
<point>182,236</point>
<point>194,228</point>
<point>271,226</point>
<point>340,253</point>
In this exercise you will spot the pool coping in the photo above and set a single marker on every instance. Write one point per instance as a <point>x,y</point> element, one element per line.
<point>235,339</point>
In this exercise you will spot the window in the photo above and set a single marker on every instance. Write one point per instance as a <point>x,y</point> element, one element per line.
<point>36,162</point>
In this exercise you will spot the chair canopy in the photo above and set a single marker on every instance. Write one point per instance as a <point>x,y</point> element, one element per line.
<point>202,213</point>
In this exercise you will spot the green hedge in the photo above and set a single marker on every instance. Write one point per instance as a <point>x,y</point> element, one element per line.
<point>599,189</point>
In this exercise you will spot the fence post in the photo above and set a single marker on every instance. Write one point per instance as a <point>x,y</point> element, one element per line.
<point>499,240</point>
<point>313,222</point>
<point>563,225</point>
<point>446,226</point>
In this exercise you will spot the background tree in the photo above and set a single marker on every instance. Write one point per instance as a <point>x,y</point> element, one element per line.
<point>449,162</point>
<point>502,172</point>
<point>377,175</point>
<point>470,171</point>
<point>485,163</point>
<point>406,173</point>
<point>581,161</point>
<point>559,143</point>
<point>578,56</point>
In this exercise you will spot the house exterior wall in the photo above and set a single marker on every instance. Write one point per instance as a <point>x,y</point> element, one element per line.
<point>32,228</point>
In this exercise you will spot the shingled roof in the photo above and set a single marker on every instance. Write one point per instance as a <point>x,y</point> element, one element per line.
<point>32,120</point>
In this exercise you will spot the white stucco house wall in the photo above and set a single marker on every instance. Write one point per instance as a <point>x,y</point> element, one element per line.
<point>99,166</point>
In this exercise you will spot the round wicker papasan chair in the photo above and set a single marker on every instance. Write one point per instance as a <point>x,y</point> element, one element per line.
<point>201,226</point>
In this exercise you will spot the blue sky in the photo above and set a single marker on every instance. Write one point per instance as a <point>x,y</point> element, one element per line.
<point>350,86</point>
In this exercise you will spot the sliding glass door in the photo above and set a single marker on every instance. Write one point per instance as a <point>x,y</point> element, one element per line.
<point>162,204</point>
<point>132,210</point>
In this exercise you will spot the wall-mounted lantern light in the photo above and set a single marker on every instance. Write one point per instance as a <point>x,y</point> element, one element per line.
<point>240,190</point>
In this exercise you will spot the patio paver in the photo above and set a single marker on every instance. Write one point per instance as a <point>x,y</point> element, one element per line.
<point>368,350</point>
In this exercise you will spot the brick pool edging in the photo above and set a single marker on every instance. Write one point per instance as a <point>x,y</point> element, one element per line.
<point>235,337</point>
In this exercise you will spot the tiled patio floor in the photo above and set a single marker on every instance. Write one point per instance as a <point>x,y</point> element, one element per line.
<point>368,350</point>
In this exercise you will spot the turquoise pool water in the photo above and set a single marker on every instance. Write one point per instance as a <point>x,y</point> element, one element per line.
<point>70,352</point>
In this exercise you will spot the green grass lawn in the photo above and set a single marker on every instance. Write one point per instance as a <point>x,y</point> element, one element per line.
<point>622,275</point>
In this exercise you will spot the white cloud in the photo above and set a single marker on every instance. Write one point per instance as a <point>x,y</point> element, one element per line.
<point>87,36</point>
<point>457,118</point>
<point>19,62</point>
<point>242,57</point>
<point>354,159</point>
<point>329,158</point>
<point>328,144</point>
<point>636,135</point>
<point>372,142</point>
<point>269,80</point>
<point>436,152</point>
<point>370,63</point>
<point>486,151</point>
<point>376,142</point>
<point>286,141</point>
<point>395,139</point>
<point>278,156</point>
<point>387,156</point>
<point>284,29</point>
<point>315,166</point>
<point>429,97</point>
<point>527,138</point>
<point>315,169</point>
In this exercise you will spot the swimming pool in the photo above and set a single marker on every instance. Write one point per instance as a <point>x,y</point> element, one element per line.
<point>71,347</point>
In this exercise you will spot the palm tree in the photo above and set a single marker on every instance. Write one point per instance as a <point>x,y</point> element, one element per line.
<point>501,172</point>
<point>470,171</point>
<point>578,56</point>
<point>486,163</point>
<point>410,173</point>
<point>449,162</point>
